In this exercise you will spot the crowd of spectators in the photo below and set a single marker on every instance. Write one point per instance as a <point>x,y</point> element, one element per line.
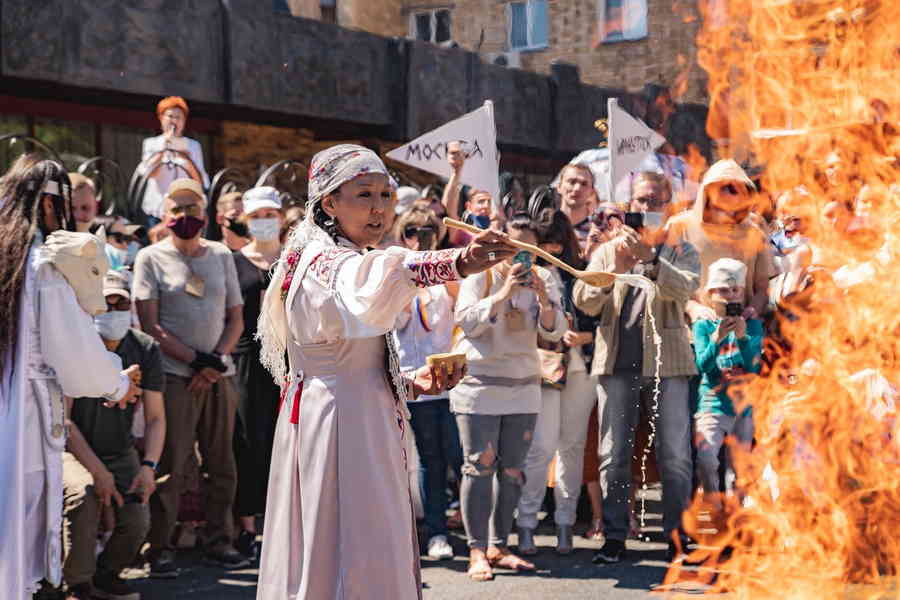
<point>563,377</point>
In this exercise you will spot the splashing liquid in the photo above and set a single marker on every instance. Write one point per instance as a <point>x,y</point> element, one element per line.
<point>641,282</point>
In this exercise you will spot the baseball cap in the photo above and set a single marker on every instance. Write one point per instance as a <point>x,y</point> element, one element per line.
<point>118,283</point>
<point>261,197</point>
<point>125,226</point>
<point>186,185</point>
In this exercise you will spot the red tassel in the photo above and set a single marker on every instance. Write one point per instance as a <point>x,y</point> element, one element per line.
<point>295,410</point>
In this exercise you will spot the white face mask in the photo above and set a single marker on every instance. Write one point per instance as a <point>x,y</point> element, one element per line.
<point>653,220</point>
<point>264,230</point>
<point>113,325</point>
<point>133,248</point>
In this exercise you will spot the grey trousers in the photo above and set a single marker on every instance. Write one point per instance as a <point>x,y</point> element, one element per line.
<point>711,431</point>
<point>619,398</point>
<point>82,517</point>
<point>492,445</point>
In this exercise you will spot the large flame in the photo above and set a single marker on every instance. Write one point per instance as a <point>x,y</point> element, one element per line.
<point>810,91</point>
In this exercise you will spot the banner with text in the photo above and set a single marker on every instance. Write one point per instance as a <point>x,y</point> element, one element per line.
<point>630,141</point>
<point>479,135</point>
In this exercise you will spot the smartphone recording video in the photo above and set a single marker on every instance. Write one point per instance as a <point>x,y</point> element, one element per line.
<point>734,309</point>
<point>635,220</point>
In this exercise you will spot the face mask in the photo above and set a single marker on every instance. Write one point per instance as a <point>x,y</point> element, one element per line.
<point>117,257</point>
<point>481,221</point>
<point>264,230</point>
<point>113,325</point>
<point>133,248</point>
<point>185,227</point>
<point>236,227</point>
<point>653,220</point>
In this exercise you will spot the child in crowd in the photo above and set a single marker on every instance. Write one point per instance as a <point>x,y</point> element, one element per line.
<point>728,352</point>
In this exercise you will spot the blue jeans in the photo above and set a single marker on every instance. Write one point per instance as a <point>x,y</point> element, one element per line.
<point>437,442</point>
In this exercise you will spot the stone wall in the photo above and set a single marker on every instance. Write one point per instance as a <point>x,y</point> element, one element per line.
<point>236,63</point>
<point>121,45</point>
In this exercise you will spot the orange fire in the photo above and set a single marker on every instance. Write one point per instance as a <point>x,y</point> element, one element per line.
<point>810,91</point>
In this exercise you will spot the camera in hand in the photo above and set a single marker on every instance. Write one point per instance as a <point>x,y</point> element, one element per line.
<point>635,220</point>
<point>734,309</point>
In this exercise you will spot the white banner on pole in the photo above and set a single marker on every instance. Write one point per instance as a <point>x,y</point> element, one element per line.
<point>630,141</point>
<point>429,151</point>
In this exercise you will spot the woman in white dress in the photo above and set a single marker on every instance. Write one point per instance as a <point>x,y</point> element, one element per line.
<point>339,521</point>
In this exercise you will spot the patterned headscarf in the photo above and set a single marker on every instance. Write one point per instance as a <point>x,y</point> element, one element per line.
<point>332,168</point>
<point>329,170</point>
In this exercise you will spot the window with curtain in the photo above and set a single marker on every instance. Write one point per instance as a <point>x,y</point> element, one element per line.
<point>621,20</point>
<point>528,25</point>
<point>431,25</point>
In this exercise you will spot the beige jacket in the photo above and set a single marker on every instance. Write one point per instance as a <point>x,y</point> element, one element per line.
<point>677,278</point>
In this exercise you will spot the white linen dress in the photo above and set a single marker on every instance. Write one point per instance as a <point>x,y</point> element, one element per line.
<point>339,521</point>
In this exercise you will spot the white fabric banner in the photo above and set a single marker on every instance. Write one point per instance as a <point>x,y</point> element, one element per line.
<point>476,129</point>
<point>630,141</point>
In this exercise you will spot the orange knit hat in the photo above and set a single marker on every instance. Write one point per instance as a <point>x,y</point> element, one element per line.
<point>171,102</point>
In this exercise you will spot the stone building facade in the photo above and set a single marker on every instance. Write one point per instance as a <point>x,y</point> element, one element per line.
<point>667,55</point>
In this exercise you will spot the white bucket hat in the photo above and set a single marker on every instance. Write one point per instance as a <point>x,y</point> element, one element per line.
<point>726,272</point>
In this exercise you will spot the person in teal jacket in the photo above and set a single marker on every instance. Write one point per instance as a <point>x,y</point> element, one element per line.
<point>728,352</point>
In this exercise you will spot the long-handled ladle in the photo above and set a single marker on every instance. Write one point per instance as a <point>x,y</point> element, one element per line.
<point>595,278</point>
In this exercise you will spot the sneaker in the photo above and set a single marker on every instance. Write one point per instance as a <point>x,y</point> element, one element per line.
<point>112,587</point>
<point>247,545</point>
<point>224,555</point>
<point>439,548</point>
<point>612,552</point>
<point>50,592</point>
<point>564,544</point>
<point>162,565</point>
<point>527,546</point>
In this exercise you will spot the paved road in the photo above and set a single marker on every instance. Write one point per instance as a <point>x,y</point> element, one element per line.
<point>558,578</point>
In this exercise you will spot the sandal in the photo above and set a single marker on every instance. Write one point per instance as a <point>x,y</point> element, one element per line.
<point>505,559</point>
<point>596,531</point>
<point>480,569</point>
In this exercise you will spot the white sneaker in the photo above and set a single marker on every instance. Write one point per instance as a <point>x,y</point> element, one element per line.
<point>439,548</point>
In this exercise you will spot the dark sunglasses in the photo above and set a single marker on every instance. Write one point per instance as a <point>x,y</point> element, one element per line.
<point>733,189</point>
<point>411,230</point>
<point>123,304</point>
<point>651,200</point>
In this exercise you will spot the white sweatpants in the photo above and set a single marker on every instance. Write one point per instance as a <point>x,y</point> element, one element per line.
<point>561,430</point>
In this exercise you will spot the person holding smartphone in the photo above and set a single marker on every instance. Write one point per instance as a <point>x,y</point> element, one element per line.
<point>625,361</point>
<point>728,352</point>
<point>500,313</point>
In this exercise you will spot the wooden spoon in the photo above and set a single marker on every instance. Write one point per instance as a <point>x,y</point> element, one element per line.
<point>595,278</point>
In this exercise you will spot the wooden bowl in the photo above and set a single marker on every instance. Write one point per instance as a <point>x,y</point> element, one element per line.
<point>448,362</point>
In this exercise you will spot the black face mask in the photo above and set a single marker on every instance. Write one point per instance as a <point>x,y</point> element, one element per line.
<point>237,228</point>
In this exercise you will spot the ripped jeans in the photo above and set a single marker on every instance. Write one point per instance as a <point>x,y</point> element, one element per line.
<point>493,445</point>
